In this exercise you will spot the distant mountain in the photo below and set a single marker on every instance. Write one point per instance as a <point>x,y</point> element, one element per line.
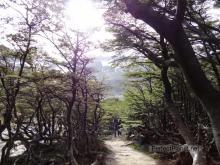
<point>113,78</point>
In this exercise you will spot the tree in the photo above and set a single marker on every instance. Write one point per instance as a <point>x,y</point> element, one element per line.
<point>32,19</point>
<point>136,36</point>
<point>172,27</point>
<point>48,105</point>
<point>72,46</point>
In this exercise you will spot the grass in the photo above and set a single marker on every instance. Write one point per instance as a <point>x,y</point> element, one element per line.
<point>144,149</point>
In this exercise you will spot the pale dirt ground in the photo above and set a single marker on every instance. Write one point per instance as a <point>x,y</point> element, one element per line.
<point>122,154</point>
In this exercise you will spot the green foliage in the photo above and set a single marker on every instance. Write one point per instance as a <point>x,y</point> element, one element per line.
<point>115,107</point>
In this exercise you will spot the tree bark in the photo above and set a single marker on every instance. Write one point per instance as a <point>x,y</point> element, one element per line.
<point>199,157</point>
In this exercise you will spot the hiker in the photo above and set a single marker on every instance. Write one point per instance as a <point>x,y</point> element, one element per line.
<point>116,125</point>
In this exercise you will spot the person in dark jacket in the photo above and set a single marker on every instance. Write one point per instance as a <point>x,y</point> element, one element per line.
<point>116,125</point>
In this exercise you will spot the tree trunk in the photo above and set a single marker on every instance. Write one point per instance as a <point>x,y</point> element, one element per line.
<point>215,122</point>
<point>199,157</point>
<point>70,136</point>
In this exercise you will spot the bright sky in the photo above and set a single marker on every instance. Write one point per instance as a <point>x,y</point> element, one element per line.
<point>213,11</point>
<point>84,15</point>
<point>87,16</point>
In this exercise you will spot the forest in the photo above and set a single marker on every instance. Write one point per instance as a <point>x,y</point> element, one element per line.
<point>55,110</point>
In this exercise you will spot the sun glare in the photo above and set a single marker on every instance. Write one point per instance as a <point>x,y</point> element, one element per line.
<point>83,15</point>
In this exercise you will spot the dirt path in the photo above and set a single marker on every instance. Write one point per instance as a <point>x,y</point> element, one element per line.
<point>122,154</point>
